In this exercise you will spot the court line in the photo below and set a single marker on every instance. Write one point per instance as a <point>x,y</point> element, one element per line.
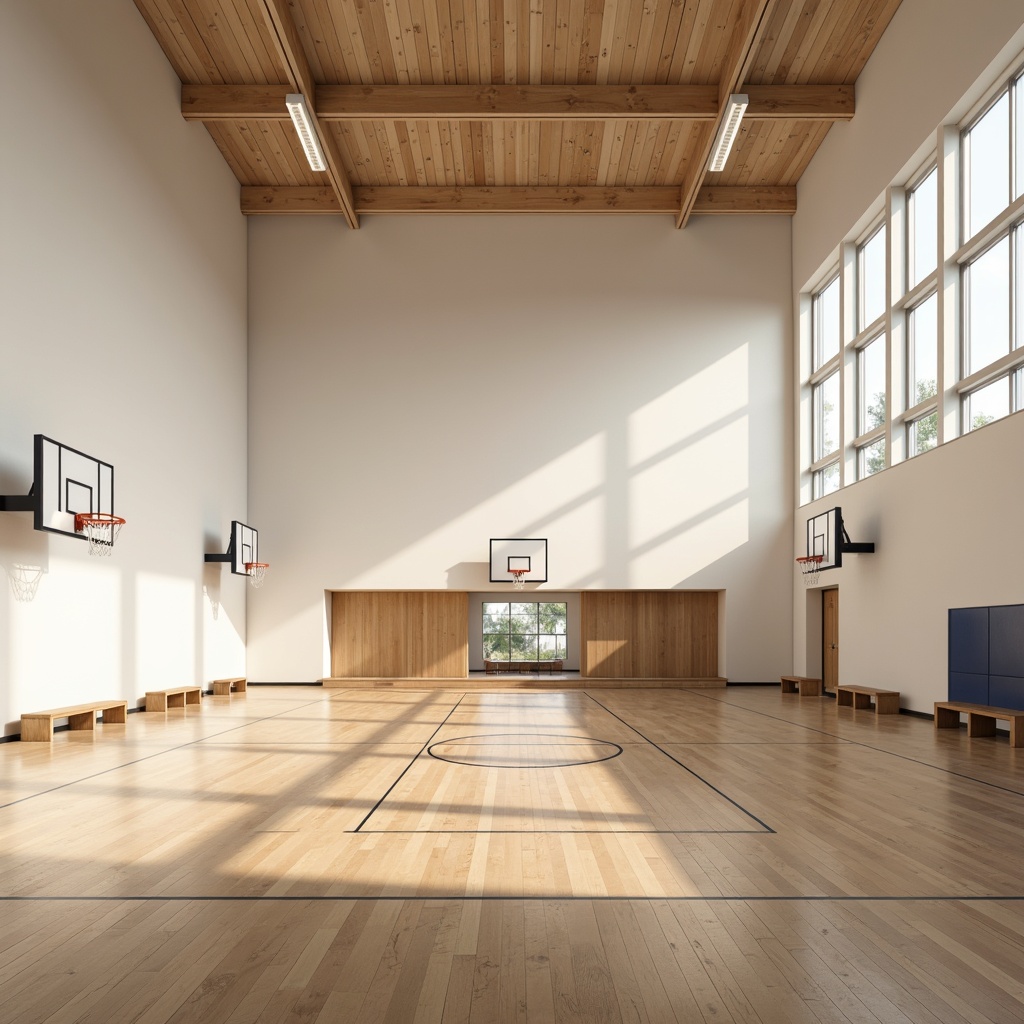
<point>373,809</point>
<point>724,796</point>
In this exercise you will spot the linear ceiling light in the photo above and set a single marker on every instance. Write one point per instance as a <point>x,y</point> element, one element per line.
<point>299,112</point>
<point>728,130</point>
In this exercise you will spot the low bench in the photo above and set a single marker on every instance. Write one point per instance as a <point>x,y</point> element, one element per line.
<point>493,667</point>
<point>176,697</point>
<point>37,726</point>
<point>806,686</point>
<point>887,702</point>
<point>981,719</point>
<point>222,687</point>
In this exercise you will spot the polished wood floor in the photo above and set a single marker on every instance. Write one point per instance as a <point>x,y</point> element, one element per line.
<point>299,854</point>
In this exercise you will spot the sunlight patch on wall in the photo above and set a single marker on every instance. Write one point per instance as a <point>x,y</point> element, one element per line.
<point>165,628</point>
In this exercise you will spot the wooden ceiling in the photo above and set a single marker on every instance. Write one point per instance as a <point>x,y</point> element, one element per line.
<point>518,106</point>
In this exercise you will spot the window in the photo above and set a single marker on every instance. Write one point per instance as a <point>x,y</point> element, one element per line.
<point>524,630</point>
<point>922,228</point>
<point>986,290</point>
<point>871,385</point>
<point>986,166</point>
<point>922,351</point>
<point>871,279</point>
<point>826,417</point>
<point>825,323</point>
<point>871,458</point>
<point>922,434</point>
<point>826,480</point>
<point>987,404</point>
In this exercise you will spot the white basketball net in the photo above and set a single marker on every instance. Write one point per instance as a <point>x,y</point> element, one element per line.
<point>101,530</point>
<point>810,567</point>
<point>257,573</point>
<point>25,581</point>
<point>518,578</point>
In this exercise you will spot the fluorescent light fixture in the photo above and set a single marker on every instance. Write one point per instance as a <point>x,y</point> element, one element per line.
<point>299,112</point>
<point>728,129</point>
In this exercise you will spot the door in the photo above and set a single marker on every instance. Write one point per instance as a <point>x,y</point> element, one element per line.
<point>830,639</point>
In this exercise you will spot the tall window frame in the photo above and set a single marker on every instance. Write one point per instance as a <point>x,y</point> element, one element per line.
<point>824,382</point>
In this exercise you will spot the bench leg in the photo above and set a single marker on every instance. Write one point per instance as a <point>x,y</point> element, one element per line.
<point>844,699</point>
<point>241,684</point>
<point>980,725</point>
<point>1017,732</point>
<point>887,703</point>
<point>37,730</point>
<point>193,697</point>
<point>116,715</point>
<point>176,700</point>
<point>788,686</point>
<point>221,689</point>
<point>156,702</point>
<point>85,722</point>
<point>861,701</point>
<point>947,718</point>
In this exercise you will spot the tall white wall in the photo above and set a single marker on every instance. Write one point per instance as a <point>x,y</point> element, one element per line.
<point>424,384</point>
<point>123,334</point>
<point>944,522</point>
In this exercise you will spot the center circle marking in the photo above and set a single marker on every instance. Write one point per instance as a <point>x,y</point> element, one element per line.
<point>523,750</point>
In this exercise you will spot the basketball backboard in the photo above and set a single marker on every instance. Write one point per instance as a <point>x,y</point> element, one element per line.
<point>529,553</point>
<point>69,481</point>
<point>245,544</point>
<point>825,538</point>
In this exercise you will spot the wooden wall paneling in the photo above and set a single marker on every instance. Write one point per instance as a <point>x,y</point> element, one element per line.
<point>399,634</point>
<point>635,634</point>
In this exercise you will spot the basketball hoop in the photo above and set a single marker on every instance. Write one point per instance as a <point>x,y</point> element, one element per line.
<point>257,572</point>
<point>518,578</point>
<point>101,528</point>
<point>810,566</point>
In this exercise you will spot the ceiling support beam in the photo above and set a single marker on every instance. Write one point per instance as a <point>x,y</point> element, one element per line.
<point>258,200</point>
<point>750,25</point>
<point>289,47</point>
<point>514,102</point>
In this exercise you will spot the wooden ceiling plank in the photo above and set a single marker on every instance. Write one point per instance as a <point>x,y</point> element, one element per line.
<point>459,153</point>
<point>806,55</point>
<point>409,173</point>
<point>225,139</point>
<point>590,42</point>
<point>578,14</point>
<point>659,56</point>
<point>520,102</point>
<point>217,31</point>
<point>781,22</point>
<point>609,17</point>
<point>444,135</point>
<point>460,66</point>
<point>741,45</point>
<point>353,49</point>
<point>253,47</point>
<point>494,38</point>
<point>316,38</point>
<point>434,39</point>
<point>649,42</point>
<point>198,38</point>
<point>177,44</point>
<point>345,140</point>
<point>289,46</point>
<point>533,153</point>
<point>596,148</point>
<point>398,38</point>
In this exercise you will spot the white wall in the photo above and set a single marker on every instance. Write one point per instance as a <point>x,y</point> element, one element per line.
<point>612,384</point>
<point>123,290</point>
<point>944,523</point>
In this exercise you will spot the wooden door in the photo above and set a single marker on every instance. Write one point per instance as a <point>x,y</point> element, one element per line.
<point>830,639</point>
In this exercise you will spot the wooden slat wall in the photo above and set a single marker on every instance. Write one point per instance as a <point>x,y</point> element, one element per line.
<point>645,634</point>
<point>399,634</point>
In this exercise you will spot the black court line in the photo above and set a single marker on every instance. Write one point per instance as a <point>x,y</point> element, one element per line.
<point>1015,898</point>
<point>724,796</point>
<point>373,809</point>
<point>859,743</point>
<point>159,753</point>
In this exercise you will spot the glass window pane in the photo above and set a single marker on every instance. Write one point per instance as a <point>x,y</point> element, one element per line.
<point>1018,288</point>
<point>871,278</point>
<point>922,223</point>
<point>923,434</point>
<point>923,338</point>
<point>989,403</point>
<point>987,300</point>
<point>987,159</point>
<point>872,458</point>
<point>1018,92</point>
<point>524,648</point>
<point>547,649</point>
<point>826,481</point>
<point>825,323</point>
<point>524,608</point>
<point>826,417</point>
<point>871,385</point>
<point>1018,390</point>
<point>552,618</point>
<point>496,647</point>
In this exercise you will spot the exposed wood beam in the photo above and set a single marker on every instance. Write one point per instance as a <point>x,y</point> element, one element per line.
<point>751,23</point>
<point>289,47</point>
<point>513,102</point>
<point>257,200</point>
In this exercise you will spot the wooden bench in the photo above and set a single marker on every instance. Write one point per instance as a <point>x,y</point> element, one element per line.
<point>222,687</point>
<point>887,702</point>
<point>806,686</point>
<point>493,667</point>
<point>981,719</point>
<point>176,697</point>
<point>37,726</point>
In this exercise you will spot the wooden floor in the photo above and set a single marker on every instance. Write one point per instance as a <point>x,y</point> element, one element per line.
<point>299,854</point>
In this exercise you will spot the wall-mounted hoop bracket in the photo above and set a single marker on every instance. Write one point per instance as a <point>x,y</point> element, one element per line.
<point>20,502</point>
<point>242,553</point>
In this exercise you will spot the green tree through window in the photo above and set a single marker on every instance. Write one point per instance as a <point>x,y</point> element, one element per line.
<point>524,630</point>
